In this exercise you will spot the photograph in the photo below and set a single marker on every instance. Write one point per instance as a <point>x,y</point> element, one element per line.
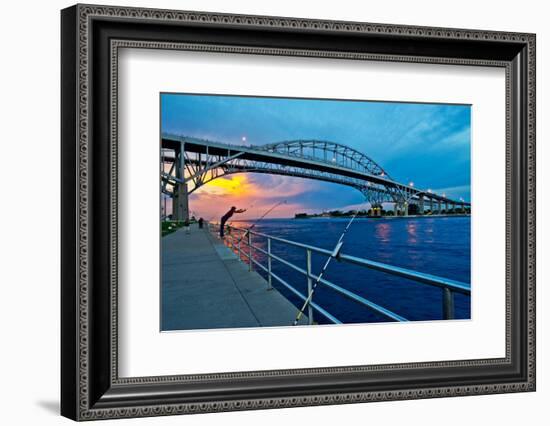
<point>283,212</point>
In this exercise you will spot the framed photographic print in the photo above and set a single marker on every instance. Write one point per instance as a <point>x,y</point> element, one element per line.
<point>264,212</point>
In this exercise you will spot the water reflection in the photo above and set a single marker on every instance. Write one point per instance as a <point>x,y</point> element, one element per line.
<point>382,231</point>
<point>428,231</point>
<point>412,237</point>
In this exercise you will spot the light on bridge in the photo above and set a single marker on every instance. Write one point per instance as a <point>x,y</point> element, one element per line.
<point>411,183</point>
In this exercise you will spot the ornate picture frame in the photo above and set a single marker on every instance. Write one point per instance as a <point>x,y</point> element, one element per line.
<point>91,38</point>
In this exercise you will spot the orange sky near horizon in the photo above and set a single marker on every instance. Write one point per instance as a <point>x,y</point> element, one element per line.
<point>216,197</point>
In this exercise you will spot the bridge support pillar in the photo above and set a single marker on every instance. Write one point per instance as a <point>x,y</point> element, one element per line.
<point>421,205</point>
<point>462,208</point>
<point>439,207</point>
<point>446,208</point>
<point>405,209</point>
<point>431,205</point>
<point>180,203</point>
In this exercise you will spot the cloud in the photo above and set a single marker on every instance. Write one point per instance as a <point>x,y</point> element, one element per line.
<point>457,139</point>
<point>454,192</point>
<point>257,193</point>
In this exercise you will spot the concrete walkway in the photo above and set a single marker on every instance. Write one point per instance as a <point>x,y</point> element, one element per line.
<point>204,286</point>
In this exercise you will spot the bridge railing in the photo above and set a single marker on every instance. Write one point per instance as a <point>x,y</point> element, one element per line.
<point>241,242</point>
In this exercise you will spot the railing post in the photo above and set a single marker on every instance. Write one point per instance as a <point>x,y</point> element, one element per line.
<point>239,247</point>
<point>309,286</point>
<point>448,304</point>
<point>249,251</point>
<point>269,285</point>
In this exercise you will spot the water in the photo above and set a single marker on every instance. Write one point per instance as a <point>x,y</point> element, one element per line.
<point>439,246</point>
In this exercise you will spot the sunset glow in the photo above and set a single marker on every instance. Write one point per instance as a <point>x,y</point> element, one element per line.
<point>213,199</point>
<point>235,185</point>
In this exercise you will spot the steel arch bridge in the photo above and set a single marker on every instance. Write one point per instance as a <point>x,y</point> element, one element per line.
<point>189,163</point>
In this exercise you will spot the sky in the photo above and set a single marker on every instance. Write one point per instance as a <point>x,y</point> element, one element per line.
<point>427,144</point>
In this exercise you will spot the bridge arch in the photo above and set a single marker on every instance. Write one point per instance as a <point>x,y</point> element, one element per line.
<point>328,152</point>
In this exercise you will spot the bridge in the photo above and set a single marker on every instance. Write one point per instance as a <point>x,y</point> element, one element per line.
<point>189,163</point>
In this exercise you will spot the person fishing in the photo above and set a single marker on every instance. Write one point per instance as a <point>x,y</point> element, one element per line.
<point>227,216</point>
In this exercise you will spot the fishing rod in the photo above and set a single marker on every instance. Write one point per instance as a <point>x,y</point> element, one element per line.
<point>335,253</point>
<point>266,213</point>
<point>260,218</point>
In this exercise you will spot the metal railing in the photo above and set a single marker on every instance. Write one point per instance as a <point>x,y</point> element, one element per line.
<point>241,242</point>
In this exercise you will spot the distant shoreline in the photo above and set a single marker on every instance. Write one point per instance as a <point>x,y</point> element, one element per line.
<point>361,217</point>
<point>384,217</point>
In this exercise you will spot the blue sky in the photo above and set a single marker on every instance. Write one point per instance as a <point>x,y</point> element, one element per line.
<point>428,144</point>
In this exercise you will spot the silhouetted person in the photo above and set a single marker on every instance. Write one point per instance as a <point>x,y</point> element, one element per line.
<point>201,222</point>
<point>226,217</point>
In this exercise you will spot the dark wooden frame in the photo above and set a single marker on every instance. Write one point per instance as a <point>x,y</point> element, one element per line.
<point>90,386</point>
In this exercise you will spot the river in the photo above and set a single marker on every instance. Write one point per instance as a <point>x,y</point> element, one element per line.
<point>439,246</point>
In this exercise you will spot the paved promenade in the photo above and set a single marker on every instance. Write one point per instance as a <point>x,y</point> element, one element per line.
<point>204,286</point>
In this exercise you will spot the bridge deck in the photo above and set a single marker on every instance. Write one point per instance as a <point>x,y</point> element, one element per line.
<point>205,286</point>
